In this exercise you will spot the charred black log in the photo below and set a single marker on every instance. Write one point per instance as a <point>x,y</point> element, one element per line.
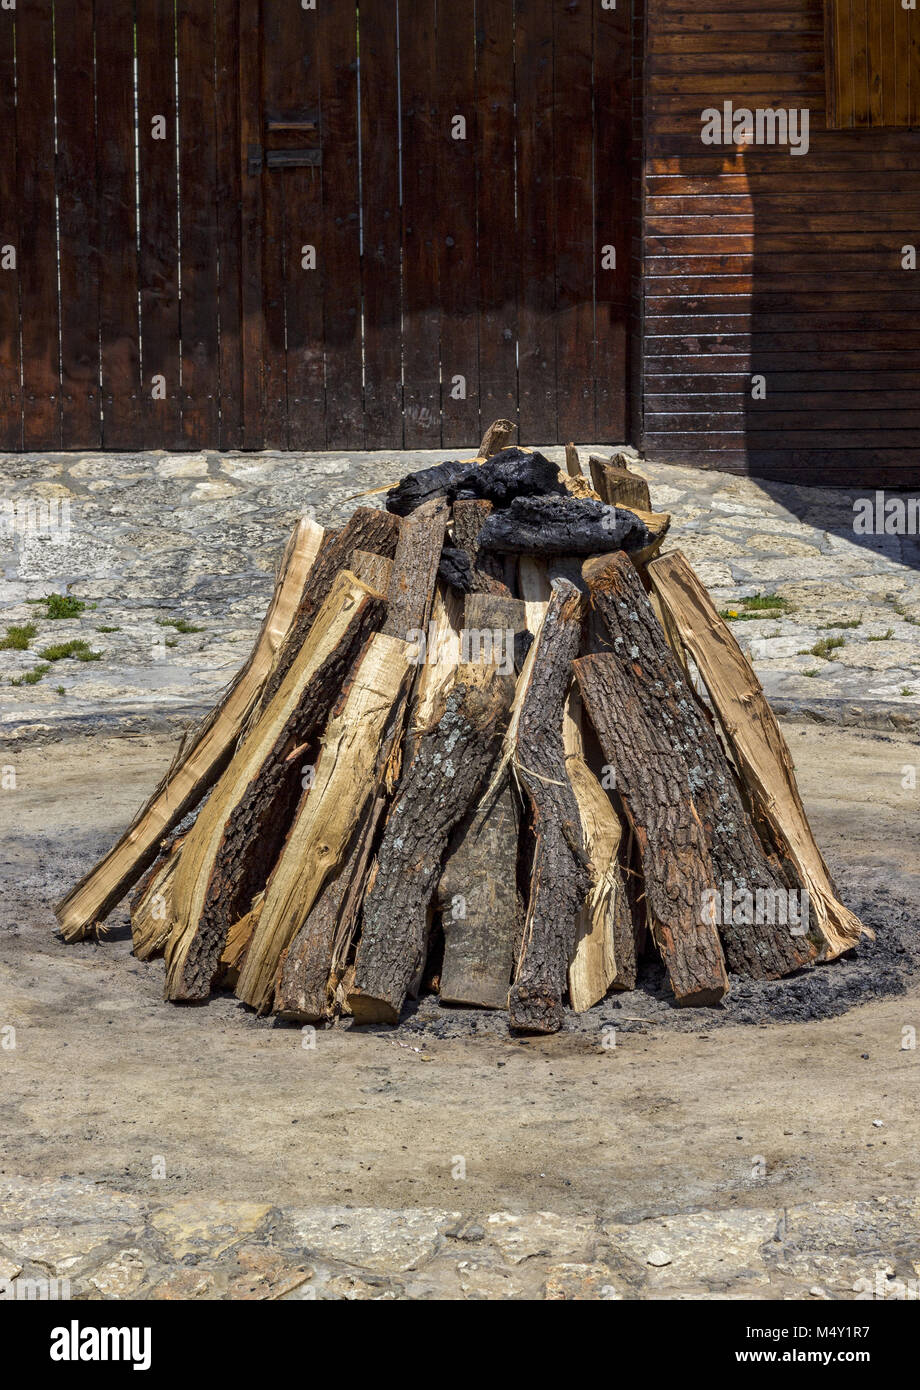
<point>545,526</point>
<point>508,474</point>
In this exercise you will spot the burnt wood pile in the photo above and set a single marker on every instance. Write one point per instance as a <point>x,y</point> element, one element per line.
<point>489,743</point>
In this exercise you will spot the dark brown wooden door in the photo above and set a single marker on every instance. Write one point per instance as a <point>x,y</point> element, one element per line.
<point>358,223</point>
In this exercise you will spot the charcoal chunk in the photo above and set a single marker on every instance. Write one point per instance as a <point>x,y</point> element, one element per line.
<point>508,474</point>
<point>562,526</point>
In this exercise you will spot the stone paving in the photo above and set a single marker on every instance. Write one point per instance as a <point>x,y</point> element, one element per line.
<point>73,1239</point>
<point>173,556</point>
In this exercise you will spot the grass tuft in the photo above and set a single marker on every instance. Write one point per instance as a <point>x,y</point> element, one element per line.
<point>76,648</point>
<point>61,605</point>
<point>17,639</point>
<point>32,677</point>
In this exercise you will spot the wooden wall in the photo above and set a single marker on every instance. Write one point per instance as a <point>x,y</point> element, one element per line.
<point>758,263</point>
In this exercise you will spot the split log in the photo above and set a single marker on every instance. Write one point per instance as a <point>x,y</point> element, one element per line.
<point>546,526</point>
<point>493,626</point>
<point>307,976</point>
<point>415,568</point>
<point>497,437</point>
<point>366,529</point>
<point>376,571</point>
<point>229,852</point>
<point>345,777</point>
<point>201,757</point>
<point>605,941</point>
<point>442,781</point>
<point>655,793</point>
<point>507,474</point>
<point>760,949</point>
<point>560,878</point>
<point>481,908</point>
<point>618,485</point>
<point>486,572</point>
<point>572,461</point>
<point>151,923</point>
<point>757,743</point>
<point>442,657</point>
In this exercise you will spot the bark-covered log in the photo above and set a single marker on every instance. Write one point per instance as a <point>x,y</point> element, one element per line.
<point>655,791</point>
<point>415,569</point>
<point>231,851</point>
<point>757,743</point>
<point>507,474</point>
<point>439,785</point>
<point>481,908</point>
<point>366,529</point>
<point>759,949</point>
<point>546,526</point>
<point>561,876</point>
<point>487,572</point>
<point>202,756</point>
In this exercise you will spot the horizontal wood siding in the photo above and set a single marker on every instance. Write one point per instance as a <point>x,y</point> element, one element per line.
<point>757,262</point>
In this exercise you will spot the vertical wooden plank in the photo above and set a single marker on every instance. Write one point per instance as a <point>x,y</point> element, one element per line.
<point>900,44</point>
<point>878,78</point>
<point>81,424</point>
<point>38,235</point>
<point>198,223</point>
<point>250,72</point>
<point>573,171</point>
<point>118,282</point>
<point>10,244</point>
<point>859,20</point>
<point>337,66</point>
<point>381,257</point>
<point>498,235</point>
<point>421,314</point>
<point>229,222</point>
<point>455,212</point>
<point>612,136</point>
<point>161,408</point>
<point>533,66</point>
<point>282,42</point>
<point>915,68</point>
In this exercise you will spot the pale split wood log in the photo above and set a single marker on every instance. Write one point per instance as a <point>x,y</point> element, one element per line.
<point>366,529</point>
<point>605,943</point>
<point>493,628</point>
<point>306,979</point>
<point>201,757</point>
<point>756,741</point>
<point>560,878</point>
<point>316,846</point>
<point>449,768</point>
<point>233,845</point>
<point>572,461</point>
<point>151,922</point>
<point>441,655</point>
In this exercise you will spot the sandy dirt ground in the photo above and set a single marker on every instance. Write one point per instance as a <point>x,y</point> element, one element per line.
<point>105,1076</point>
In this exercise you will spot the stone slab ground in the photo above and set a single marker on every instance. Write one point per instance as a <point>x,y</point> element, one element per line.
<point>159,539</point>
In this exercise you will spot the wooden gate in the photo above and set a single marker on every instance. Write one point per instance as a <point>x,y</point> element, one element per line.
<point>337,224</point>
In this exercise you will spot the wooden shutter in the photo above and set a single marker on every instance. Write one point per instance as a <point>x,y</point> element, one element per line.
<point>872,62</point>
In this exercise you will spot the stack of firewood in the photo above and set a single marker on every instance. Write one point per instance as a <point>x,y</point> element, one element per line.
<point>489,743</point>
